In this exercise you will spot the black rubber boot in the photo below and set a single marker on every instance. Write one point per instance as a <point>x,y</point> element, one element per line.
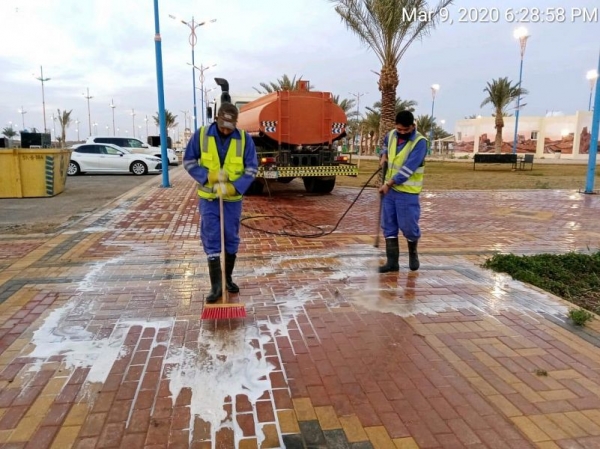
<point>392,252</point>
<point>214,272</point>
<point>229,266</point>
<point>413,256</point>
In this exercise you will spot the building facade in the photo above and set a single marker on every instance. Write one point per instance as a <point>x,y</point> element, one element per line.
<point>545,136</point>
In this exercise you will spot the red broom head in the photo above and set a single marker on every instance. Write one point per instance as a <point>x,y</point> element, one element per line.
<point>223,313</point>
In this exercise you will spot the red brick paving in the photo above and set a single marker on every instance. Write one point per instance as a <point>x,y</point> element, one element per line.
<point>450,356</point>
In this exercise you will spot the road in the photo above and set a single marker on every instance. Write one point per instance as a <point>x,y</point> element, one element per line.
<point>81,196</point>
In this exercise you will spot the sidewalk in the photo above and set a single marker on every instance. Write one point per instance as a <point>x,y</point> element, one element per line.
<point>101,345</point>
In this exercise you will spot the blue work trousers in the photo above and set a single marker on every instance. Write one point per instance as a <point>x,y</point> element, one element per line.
<point>210,227</point>
<point>401,212</point>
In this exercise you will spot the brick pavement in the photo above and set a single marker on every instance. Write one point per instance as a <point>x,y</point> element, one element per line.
<point>101,344</point>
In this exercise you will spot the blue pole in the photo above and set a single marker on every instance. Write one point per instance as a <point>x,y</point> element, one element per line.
<point>514,148</point>
<point>589,185</point>
<point>193,42</point>
<point>161,99</point>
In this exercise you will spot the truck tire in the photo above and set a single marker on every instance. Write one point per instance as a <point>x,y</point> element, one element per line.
<point>322,184</point>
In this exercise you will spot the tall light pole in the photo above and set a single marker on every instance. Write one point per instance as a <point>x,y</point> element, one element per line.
<point>521,34</point>
<point>89,113</point>
<point>185,114</point>
<point>23,112</point>
<point>42,79</point>
<point>593,151</point>
<point>192,25</point>
<point>133,121</point>
<point>161,97</point>
<point>54,124</point>
<point>113,106</point>
<point>201,69</point>
<point>77,125</point>
<point>357,96</point>
<point>434,89</point>
<point>592,76</point>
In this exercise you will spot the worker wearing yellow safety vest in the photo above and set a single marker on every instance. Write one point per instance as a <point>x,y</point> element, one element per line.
<point>404,151</point>
<point>222,159</point>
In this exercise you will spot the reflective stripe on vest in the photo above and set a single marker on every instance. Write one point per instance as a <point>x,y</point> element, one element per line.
<point>414,184</point>
<point>209,159</point>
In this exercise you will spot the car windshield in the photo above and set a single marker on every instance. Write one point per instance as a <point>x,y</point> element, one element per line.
<point>134,143</point>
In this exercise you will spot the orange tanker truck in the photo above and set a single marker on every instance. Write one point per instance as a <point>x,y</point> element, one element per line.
<point>294,132</point>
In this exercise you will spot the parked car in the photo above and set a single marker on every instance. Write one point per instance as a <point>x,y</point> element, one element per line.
<point>136,146</point>
<point>108,158</point>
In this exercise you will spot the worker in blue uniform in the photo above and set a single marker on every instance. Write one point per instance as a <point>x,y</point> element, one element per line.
<point>404,150</point>
<point>222,159</point>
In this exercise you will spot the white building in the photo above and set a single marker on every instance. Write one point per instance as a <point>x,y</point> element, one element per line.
<point>567,135</point>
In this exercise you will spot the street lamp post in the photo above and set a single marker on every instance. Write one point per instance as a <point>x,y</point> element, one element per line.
<point>42,79</point>
<point>113,106</point>
<point>357,96</point>
<point>192,25</point>
<point>89,113</point>
<point>201,69</point>
<point>133,121</point>
<point>23,112</point>
<point>185,114</point>
<point>521,34</point>
<point>434,89</point>
<point>54,124</point>
<point>592,76</point>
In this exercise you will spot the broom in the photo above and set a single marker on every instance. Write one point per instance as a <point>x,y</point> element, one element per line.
<point>377,231</point>
<point>225,310</point>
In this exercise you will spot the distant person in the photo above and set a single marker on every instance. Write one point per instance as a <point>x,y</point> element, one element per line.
<point>222,159</point>
<point>404,149</point>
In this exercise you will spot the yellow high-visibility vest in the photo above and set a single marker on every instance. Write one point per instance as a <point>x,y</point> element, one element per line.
<point>209,159</point>
<point>414,184</point>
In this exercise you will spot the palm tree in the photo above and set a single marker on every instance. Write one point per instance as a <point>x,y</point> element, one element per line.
<point>169,117</point>
<point>470,117</point>
<point>388,28</point>
<point>9,132</point>
<point>501,93</point>
<point>283,83</point>
<point>64,118</point>
<point>346,104</point>
<point>401,105</point>
<point>424,124</point>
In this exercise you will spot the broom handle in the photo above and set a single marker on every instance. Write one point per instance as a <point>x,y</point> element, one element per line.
<point>222,224</point>
<point>384,172</point>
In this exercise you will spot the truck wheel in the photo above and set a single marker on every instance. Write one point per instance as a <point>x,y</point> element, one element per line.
<point>323,184</point>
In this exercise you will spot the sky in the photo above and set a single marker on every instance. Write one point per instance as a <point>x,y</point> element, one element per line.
<point>108,47</point>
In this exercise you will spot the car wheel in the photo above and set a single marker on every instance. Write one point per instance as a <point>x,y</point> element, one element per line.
<point>139,168</point>
<point>73,169</point>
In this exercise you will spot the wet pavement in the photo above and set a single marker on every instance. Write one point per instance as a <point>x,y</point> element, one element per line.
<point>101,344</point>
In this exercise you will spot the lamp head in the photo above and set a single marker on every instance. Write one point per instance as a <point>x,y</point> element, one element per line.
<point>592,75</point>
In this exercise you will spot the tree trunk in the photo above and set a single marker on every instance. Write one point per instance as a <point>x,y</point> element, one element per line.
<point>388,82</point>
<point>499,125</point>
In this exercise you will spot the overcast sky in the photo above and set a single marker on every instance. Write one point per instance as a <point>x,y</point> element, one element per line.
<point>108,47</point>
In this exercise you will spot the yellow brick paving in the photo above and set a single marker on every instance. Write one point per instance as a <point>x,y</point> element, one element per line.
<point>506,346</point>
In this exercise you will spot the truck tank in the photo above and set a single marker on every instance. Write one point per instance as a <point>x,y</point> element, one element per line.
<point>292,118</point>
<point>294,133</point>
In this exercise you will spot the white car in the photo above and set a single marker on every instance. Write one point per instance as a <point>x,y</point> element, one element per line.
<point>136,146</point>
<point>107,158</point>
